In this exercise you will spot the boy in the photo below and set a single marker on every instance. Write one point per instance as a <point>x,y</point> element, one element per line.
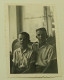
<point>23,57</point>
<point>44,51</point>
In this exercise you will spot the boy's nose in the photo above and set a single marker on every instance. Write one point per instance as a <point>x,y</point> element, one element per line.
<point>40,36</point>
<point>21,39</point>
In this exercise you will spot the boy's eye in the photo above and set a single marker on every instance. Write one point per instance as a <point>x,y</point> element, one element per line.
<point>38,34</point>
<point>20,38</point>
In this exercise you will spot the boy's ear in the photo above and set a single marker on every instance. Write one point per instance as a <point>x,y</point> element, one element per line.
<point>36,36</point>
<point>18,39</point>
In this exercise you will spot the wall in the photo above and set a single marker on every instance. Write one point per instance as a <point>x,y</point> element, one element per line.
<point>12,24</point>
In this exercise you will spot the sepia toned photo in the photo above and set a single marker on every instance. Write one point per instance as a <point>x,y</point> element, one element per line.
<point>32,41</point>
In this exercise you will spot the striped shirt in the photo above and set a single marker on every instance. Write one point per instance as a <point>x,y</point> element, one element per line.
<point>22,59</point>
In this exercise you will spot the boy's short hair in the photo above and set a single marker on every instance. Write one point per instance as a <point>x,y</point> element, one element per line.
<point>26,35</point>
<point>42,29</point>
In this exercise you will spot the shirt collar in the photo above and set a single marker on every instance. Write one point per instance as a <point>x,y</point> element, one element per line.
<point>42,45</point>
<point>24,50</point>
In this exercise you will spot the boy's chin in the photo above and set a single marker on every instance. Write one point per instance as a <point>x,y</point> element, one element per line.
<point>21,43</point>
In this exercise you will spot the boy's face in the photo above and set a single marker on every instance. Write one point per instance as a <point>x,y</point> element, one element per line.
<point>41,35</point>
<point>22,39</point>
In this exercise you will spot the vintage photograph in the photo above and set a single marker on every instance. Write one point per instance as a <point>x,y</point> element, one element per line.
<point>32,39</point>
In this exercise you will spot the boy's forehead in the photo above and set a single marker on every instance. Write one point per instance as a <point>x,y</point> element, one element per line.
<point>21,35</point>
<point>39,31</point>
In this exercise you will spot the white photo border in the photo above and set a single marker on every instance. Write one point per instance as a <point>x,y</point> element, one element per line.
<point>7,44</point>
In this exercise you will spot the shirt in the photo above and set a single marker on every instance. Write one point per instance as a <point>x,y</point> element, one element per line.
<point>44,54</point>
<point>22,59</point>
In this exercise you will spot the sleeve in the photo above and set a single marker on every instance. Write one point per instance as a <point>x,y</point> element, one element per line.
<point>32,67</point>
<point>47,61</point>
<point>15,57</point>
<point>33,58</point>
<point>35,47</point>
<point>13,60</point>
<point>49,56</point>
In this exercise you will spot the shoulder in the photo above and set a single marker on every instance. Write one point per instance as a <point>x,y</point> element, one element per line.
<point>35,44</point>
<point>15,45</point>
<point>49,46</point>
<point>17,50</point>
<point>30,45</point>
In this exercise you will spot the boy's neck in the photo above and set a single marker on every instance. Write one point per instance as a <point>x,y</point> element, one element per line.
<point>42,43</point>
<point>23,47</point>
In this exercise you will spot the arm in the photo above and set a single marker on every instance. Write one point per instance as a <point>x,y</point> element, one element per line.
<point>15,62</point>
<point>48,60</point>
<point>49,55</point>
<point>31,64</point>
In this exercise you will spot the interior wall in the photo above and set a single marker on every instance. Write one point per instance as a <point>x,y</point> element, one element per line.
<point>12,24</point>
<point>28,19</point>
<point>32,20</point>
